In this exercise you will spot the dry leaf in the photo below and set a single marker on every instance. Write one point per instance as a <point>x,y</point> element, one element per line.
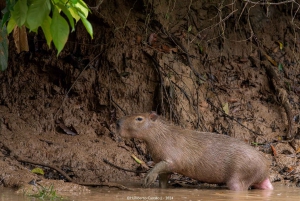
<point>20,38</point>
<point>174,49</point>
<point>226,108</point>
<point>274,150</point>
<point>166,48</point>
<point>244,60</point>
<point>232,100</point>
<point>280,45</point>
<point>290,169</point>
<point>66,129</point>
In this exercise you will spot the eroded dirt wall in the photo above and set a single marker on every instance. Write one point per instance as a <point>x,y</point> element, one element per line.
<point>197,63</point>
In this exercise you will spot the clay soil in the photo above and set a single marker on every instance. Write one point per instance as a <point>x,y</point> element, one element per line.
<point>201,64</point>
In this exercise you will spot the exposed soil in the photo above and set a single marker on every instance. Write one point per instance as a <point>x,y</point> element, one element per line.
<point>200,64</point>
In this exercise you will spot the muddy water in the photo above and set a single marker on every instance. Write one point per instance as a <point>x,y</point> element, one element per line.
<point>281,192</point>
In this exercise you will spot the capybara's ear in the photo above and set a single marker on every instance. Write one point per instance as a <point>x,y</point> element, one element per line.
<point>153,116</point>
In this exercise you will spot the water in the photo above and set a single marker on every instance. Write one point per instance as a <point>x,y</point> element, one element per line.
<point>281,192</point>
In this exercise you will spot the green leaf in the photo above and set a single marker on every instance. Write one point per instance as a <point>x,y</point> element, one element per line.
<point>3,48</point>
<point>74,13</point>
<point>77,8</point>
<point>6,15</point>
<point>10,4</point>
<point>190,28</point>
<point>38,171</point>
<point>83,4</point>
<point>37,12</point>
<point>59,30</point>
<point>280,45</point>
<point>19,12</point>
<point>167,16</point>
<point>68,14</point>
<point>46,29</point>
<point>87,25</point>
<point>11,25</point>
<point>280,67</point>
<point>82,8</point>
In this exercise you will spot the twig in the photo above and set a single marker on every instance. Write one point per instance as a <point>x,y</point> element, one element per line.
<point>232,118</point>
<point>120,168</point>
<point>114,102</point>
<point>162,86</point>
<point>95,8</point>
<point>75,83</point>
<point>221,21</point>
<point>184,50</point>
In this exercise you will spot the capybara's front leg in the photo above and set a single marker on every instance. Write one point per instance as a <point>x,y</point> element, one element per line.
<point>159,169</point>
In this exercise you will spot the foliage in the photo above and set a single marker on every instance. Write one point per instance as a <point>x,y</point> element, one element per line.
<point>38,171</point>
<point>46,194</point>
<point>55,17</point>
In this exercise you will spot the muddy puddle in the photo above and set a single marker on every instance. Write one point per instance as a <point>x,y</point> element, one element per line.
<point>281,192</point>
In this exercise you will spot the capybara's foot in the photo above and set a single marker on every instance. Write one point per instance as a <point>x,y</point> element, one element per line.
<point>150,179</point>
<point>264,185</point>
<point>235,185</point>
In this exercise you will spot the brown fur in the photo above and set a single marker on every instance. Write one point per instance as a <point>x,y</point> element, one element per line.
<point>207,157</point>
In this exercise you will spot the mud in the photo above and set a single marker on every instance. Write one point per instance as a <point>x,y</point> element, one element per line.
<point>221,75</point>
<point>281,192</point>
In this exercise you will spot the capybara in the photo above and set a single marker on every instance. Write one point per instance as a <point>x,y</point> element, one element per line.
<point>207,157</point>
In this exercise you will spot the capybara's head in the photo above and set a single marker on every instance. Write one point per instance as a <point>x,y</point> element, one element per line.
<point>134,126</point>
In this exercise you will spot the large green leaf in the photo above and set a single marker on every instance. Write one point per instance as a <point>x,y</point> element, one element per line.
<point>59,30</point>
<point>74,13</point>
<point>10,4</point>
<point>46,29</point>
<point>68,14</point>
<point>19,12</point>
<point>74,1</point>
<point>87,25</point>
<point>11,25</point>
<point>83,4</point>
<point>37,12</point>
<point>75,9</point>
<point>3,48</point>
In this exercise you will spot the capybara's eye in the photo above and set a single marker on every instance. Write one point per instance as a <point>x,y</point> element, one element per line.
<point>139,118</point>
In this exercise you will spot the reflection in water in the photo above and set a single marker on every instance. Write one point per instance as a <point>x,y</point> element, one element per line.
<point>280,192</point>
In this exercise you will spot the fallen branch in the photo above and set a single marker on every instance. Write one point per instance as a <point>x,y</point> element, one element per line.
<point>120,168</point>
<point>109,184</point>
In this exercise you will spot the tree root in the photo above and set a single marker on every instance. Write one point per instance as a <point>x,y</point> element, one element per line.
<point>282,96</point>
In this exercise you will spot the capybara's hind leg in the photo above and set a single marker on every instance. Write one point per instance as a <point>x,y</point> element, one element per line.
<point>163,179</point>
<point>264,185</point>
<point>236,185</point>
